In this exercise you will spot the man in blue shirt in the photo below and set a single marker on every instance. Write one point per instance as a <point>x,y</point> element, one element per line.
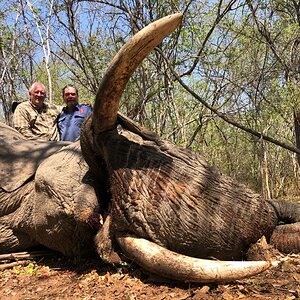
<point>72,115</point>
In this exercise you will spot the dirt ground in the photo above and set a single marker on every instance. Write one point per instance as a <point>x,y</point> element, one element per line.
<point>56,277</point>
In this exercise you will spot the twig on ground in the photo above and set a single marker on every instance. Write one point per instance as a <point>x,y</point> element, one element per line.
<point>24,255</point>
<point>13,264</point>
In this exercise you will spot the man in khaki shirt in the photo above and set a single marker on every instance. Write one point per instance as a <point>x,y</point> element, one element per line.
<point>35,119</point>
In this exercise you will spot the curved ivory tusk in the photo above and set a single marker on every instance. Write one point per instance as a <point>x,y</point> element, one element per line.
<point>169,264</point>
<point>123,65</point>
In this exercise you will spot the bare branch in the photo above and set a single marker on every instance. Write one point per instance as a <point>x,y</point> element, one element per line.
<point>13,264</point>
<point>218,19</point>
<point>224,116</point>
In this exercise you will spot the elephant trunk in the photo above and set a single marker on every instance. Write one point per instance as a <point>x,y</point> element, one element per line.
<point>287,211</point>
<point>286,237</point>
<point>171,265</point>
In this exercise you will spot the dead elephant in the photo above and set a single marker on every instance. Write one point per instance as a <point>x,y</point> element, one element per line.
<point>163,206</point>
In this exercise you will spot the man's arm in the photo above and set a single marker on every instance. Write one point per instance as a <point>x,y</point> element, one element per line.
<point>21,121</point>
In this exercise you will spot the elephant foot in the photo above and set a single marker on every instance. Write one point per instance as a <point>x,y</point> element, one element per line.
<point>286,238</point>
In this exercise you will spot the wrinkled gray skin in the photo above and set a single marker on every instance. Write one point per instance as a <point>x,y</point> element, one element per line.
<point>49,197</point>
<point>49,201</point>
<point>176,199</point>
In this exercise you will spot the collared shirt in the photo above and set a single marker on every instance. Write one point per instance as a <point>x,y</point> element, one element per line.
<point>69,122</point>
<point>37,124</point>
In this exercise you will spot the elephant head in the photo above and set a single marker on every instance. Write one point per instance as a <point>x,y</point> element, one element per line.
<point>168,207</point>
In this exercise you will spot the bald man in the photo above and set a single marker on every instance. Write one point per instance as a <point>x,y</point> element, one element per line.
<point>35,119</point>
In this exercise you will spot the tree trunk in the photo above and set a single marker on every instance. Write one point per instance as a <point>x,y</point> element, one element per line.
<point>265,173</point>
<point>297,130</point>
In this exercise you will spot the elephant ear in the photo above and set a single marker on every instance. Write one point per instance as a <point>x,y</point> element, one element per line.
<point>20,157</point>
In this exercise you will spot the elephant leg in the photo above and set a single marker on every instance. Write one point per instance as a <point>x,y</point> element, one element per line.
<point>15,218</point>
<point>12,240</point>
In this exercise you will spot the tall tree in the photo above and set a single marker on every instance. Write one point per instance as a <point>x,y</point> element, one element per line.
<point>43,29</point>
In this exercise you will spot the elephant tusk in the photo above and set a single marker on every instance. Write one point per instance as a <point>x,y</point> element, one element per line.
<point>123,65</point>
<point>171,265</point>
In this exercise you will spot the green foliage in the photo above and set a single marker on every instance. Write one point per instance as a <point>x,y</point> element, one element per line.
<point>30,269</point>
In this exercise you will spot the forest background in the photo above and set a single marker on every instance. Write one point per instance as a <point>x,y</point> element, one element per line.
<point>226,84</point>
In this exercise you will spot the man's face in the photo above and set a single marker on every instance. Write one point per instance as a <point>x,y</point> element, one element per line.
<point>37,95</point>
<point>70,96</point>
